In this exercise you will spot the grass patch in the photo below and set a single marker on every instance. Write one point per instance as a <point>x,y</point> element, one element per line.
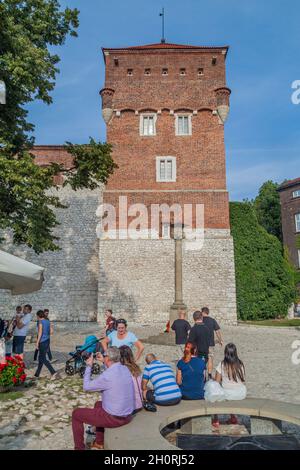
<point>282,322</point>
<point>10,396</point>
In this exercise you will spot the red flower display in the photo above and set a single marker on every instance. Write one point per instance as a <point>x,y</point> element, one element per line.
<point>12,373</point>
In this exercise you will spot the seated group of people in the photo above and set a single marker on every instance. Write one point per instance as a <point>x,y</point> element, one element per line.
<point>124,387</point>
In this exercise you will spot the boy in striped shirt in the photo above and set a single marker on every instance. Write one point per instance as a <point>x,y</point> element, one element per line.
<point>165,391</point>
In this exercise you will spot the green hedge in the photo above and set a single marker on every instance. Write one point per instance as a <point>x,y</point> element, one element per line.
<point>265,280</point>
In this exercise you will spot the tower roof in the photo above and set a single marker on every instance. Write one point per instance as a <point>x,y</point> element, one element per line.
<point>163,46</point>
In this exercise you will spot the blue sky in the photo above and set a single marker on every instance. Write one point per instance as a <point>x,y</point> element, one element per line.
<point>262,133</point>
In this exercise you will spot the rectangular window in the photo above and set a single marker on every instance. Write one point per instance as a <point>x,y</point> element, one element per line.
<point>183,125</point>
<point>297,220</point>
<point>296,193</point>
<point>165,169</point>
<point>147,124</point>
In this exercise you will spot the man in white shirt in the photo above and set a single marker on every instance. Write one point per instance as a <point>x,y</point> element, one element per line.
<point>21,329</point>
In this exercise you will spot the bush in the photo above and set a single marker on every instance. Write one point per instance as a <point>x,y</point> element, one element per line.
<point>265,281</point>
<point>12,373</point>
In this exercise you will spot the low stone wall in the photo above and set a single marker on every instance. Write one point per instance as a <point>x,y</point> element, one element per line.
<point>144,431</point>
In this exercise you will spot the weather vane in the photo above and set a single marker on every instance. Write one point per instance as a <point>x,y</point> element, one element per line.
<point>162,14</point>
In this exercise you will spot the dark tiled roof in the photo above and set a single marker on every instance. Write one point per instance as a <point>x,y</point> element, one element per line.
<point>289,183</point>
<point>164,45</point>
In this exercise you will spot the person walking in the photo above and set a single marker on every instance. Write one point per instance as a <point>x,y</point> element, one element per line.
<point>214,328</point>
<point>200,335</point>
<point>43,344</point>
<point>22,321</point>
<point>181,327</point>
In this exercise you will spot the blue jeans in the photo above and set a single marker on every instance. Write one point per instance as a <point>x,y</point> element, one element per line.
<point>43,361</point>
<point>151,398</point>
<point>18,344</point>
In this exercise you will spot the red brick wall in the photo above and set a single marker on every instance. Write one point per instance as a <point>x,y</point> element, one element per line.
<point>200,158</point>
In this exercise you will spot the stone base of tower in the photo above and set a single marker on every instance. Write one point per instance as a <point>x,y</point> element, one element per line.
<point>136,278</point>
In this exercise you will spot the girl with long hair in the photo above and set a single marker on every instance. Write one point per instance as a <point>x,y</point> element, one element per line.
<point>230,373</point>
<point>190,374</point>
<point>127,359</point>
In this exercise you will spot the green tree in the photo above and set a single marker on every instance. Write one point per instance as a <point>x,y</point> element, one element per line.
<point>265,280</point>
<point>28,68</point>
<point>267,207</point>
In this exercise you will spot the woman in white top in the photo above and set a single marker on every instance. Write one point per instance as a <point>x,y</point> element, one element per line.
<point>230,373</point>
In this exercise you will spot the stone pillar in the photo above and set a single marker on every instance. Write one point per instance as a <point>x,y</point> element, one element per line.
<point>178,303</point>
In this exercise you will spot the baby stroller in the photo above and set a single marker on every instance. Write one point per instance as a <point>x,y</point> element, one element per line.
<point>76,364</point>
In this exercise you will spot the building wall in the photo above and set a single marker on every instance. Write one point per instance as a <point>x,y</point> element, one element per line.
<point>137,278</point>
<point>71,275</point>
<point>289,207</point>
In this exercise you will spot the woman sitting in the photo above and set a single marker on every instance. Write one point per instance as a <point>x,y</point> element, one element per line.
<point>127,360</point>
<point>190,374</point>
<point>230,373</point>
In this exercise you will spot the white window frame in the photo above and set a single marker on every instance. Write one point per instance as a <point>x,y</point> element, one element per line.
<point>297,222</point>
<point>296,193</point>
<point>142,117</point>
<point>158,164</point>
<point>181,115</point>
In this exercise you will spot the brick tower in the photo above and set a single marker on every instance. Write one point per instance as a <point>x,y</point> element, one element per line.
<point>165,106</point>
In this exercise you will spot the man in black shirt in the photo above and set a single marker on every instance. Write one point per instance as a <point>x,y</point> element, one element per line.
<point>181,328</point>
<point>200,335</point>
<point>213,327</point>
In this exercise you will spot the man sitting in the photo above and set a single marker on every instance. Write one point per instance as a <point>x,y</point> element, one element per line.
<point>118,400</point>
<point>166,391</point>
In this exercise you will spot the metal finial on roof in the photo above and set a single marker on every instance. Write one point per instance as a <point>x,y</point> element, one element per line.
<point>162,14</point>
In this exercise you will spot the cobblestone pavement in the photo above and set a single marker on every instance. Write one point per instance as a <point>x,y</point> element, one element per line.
<point>41,418</point>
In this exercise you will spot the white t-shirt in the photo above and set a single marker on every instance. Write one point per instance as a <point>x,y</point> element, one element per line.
<point>226,381</point>
<point>26,319</point>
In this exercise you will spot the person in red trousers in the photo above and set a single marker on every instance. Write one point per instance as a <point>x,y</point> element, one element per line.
<point>118,399</point>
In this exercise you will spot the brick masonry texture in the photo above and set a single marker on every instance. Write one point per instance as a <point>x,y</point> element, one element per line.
<point>290,206</point>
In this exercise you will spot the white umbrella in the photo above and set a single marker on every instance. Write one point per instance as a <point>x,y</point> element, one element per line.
<point>19,276</point>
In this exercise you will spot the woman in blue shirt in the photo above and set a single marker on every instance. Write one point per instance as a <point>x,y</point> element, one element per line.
<point>43,344</point>
<point>122,337</point>
<point>190,374</point>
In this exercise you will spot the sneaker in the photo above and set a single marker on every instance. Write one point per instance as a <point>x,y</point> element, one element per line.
<point>95,446</point>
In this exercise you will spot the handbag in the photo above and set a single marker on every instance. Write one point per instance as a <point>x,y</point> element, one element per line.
<point>146,404</point>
